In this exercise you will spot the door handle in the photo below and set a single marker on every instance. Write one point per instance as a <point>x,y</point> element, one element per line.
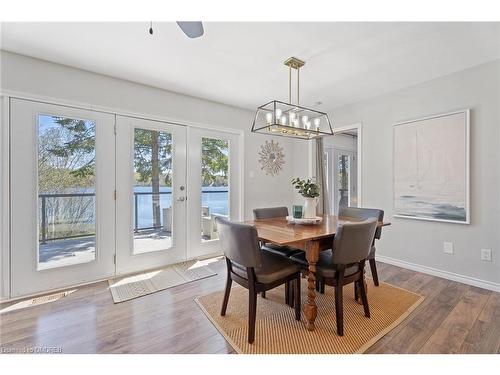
<point>181,199</point>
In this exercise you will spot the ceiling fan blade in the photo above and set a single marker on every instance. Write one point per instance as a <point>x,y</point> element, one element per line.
<point>193,29</point>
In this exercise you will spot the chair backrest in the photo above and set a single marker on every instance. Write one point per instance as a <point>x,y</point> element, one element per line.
<point>239,243</point>
<point>363,214</point>
<point>353,241</point>
<point>270,212</point>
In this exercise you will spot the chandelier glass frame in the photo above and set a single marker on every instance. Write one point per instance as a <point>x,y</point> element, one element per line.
<point>291,120</point>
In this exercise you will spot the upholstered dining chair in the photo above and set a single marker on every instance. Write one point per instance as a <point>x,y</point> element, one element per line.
<point>345,263</point>
<point>284,251</point>
<point>363,214</point>
<point>269,213</point>
<point>256,270</point>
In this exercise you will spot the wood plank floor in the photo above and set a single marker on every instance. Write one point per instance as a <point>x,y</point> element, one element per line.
<point>454,318</point>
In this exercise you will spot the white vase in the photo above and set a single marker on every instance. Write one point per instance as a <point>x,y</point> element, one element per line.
<point>310,208</point>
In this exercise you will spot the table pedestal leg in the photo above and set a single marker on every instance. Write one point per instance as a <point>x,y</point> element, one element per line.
<point>310,309</point>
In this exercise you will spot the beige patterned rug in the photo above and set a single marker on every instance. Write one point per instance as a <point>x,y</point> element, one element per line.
<point>277,331</point>
<point>126,288</point>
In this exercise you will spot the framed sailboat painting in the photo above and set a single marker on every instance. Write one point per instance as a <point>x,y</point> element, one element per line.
<point>431,168</point>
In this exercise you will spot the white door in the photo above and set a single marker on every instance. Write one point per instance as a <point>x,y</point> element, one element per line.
<point>62,207</point>
<point>151,194</point>
<point>214,187</point>
<point>344,176</point>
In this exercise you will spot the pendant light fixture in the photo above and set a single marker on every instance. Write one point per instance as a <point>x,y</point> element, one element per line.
<point>291,120</point>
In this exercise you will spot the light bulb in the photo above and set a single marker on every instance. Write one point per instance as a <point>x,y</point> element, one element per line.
<point>304,120</point>
<point>278,113</point>
<point>292,117</point>
<point>308,125</point>
<point>283,120</point>
<point>296,122</point>
<point>269,118</point>
<point>317,121</point>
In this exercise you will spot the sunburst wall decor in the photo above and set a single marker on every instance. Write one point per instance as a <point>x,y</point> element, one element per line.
<point>272,158</point>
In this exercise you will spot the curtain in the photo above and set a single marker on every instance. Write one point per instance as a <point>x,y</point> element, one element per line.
<point>323,206</point>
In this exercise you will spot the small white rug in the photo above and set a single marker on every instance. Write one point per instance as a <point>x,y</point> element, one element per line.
<point>130,287</point>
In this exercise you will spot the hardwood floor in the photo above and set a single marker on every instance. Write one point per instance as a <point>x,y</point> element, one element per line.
<point>454,318</point>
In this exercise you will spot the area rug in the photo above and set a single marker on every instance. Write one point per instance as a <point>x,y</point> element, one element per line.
<point>277,331</point>
<point>130,287</point>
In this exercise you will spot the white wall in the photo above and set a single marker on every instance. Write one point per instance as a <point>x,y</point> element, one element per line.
<point>421,242</point>
<point>41,78</point>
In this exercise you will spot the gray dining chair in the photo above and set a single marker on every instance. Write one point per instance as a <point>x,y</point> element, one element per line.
<point>345,263</point>
<point>256,270</point>
<point>363,214</point>
<point>270,213</point>
<point>284,251</point>
<point>360,214</point>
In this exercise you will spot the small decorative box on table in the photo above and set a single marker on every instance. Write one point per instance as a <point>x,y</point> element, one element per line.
<point>304,221</point>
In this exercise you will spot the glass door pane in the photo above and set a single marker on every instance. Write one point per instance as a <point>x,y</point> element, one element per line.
<point>214,186</point>
<point>345,192</point>
<point>151,194</point>
<point>152,190</point>
<point>66,191</point>
<point>343,177</point>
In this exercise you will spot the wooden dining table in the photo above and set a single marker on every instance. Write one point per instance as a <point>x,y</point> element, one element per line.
<point>310,238</point>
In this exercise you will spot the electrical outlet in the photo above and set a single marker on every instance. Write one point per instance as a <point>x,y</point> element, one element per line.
<point>486,255</point>
<point>448,247</point>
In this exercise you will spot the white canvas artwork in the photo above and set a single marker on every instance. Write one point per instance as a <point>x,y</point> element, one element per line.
<point>431,168</point>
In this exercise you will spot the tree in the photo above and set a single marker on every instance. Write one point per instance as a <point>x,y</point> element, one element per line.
<point>152,160</point>
<point>66,158</point>
<point>215,162</point>
<point>79,145</point>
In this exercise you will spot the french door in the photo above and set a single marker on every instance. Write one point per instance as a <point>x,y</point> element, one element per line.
<point>214,185</point>
<point>151,194</point>
<point>62,187</point>
<point>94,195</point>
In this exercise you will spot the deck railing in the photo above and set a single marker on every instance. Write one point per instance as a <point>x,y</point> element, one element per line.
<point>43,211</point>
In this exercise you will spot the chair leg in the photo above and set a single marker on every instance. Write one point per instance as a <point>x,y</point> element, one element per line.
<point>287,293</point>
<point>229,281</point>
<point>252,313</point>
<point>339,310</point>
<point>297,298</point>
<point>263,294</point>
<point>318,285</point>
<point>322,286</point>
<point>373,268</point>
<point>356,291</point>
<point>364,298</point>
<point>291,293</point>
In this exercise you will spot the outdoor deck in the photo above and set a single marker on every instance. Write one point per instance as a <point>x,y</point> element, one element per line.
<point>65,252</point>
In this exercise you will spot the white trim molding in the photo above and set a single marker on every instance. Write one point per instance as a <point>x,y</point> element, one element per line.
<point>114,111</point>
<point>4,199</point>
<point>440,273</point>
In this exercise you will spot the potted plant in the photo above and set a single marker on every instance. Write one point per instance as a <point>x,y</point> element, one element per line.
<point>309,189</point>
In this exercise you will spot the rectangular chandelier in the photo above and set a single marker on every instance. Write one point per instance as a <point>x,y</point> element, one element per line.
<point>291,120</point>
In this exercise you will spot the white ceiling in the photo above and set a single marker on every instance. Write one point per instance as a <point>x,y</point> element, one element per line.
<point>242,63</point>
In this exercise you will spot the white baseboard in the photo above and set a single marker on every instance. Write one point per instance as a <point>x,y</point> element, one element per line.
<point>440,273</point>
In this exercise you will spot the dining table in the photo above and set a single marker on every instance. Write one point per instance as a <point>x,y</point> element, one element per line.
<point>312,238</point>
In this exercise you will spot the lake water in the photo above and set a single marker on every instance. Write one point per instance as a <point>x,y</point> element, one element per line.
<point>215,198</point>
